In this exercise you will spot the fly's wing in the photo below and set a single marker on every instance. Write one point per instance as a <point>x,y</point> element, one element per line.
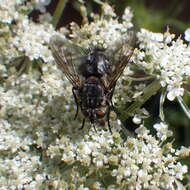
<point>118,60</point>
<point>68,58</point>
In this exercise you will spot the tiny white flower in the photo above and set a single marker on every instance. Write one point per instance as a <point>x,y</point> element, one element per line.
<point>107,9</point>
<point>136,119</point>
<point>86,149</point>
<point>175,92</point>
<point>187,35</point>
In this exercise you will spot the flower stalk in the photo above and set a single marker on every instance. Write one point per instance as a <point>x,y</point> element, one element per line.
<point>184,106</point>
<point>162,100</point>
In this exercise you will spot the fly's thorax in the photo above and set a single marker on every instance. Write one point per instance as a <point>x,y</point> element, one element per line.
<point>95,64</point>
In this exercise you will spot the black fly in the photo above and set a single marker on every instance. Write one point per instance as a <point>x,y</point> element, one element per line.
<point>93,74</point>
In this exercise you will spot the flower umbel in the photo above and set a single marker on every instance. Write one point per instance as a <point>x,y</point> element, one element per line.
<point>41,146</point>
<point>169,60</point>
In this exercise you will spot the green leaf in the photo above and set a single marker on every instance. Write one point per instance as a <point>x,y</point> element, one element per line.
<point>149,91</point>
<point>58,12</point>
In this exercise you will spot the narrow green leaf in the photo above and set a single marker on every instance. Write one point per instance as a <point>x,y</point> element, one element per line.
<point>58,12</point>
<point>149,91</point>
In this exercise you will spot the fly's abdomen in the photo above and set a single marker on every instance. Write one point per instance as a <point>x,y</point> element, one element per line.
<point>92,95</point>
<point>93,100</point>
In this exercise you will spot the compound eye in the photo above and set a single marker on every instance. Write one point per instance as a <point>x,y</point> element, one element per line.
<point>100,114</point>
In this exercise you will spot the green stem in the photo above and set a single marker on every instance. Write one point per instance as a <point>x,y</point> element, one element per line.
<point>149,91</point>
<point>184,106</point>
<point>58,12</point>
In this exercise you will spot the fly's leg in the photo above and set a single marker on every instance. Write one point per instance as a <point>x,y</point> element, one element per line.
<point>82,126</point>
<point>110,107</point>
<point>108,119</point>
<point>110,98</point>
<point>76,101</point>
<point>94,127</point>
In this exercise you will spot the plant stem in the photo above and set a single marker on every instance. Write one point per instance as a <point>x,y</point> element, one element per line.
<point>184,106</point>
<point>58,12</point>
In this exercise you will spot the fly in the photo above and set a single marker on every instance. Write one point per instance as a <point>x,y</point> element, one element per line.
<point>93,74</point>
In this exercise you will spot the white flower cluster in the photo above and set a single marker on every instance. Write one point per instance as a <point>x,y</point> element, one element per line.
<point>8,10</point>
<point>12,10</point>
<point>41,146</point>
<point>169,60</point>
<point>32,39</point>
<point>30,116</point>
<point>138,163</point>
<point>105,30</point>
